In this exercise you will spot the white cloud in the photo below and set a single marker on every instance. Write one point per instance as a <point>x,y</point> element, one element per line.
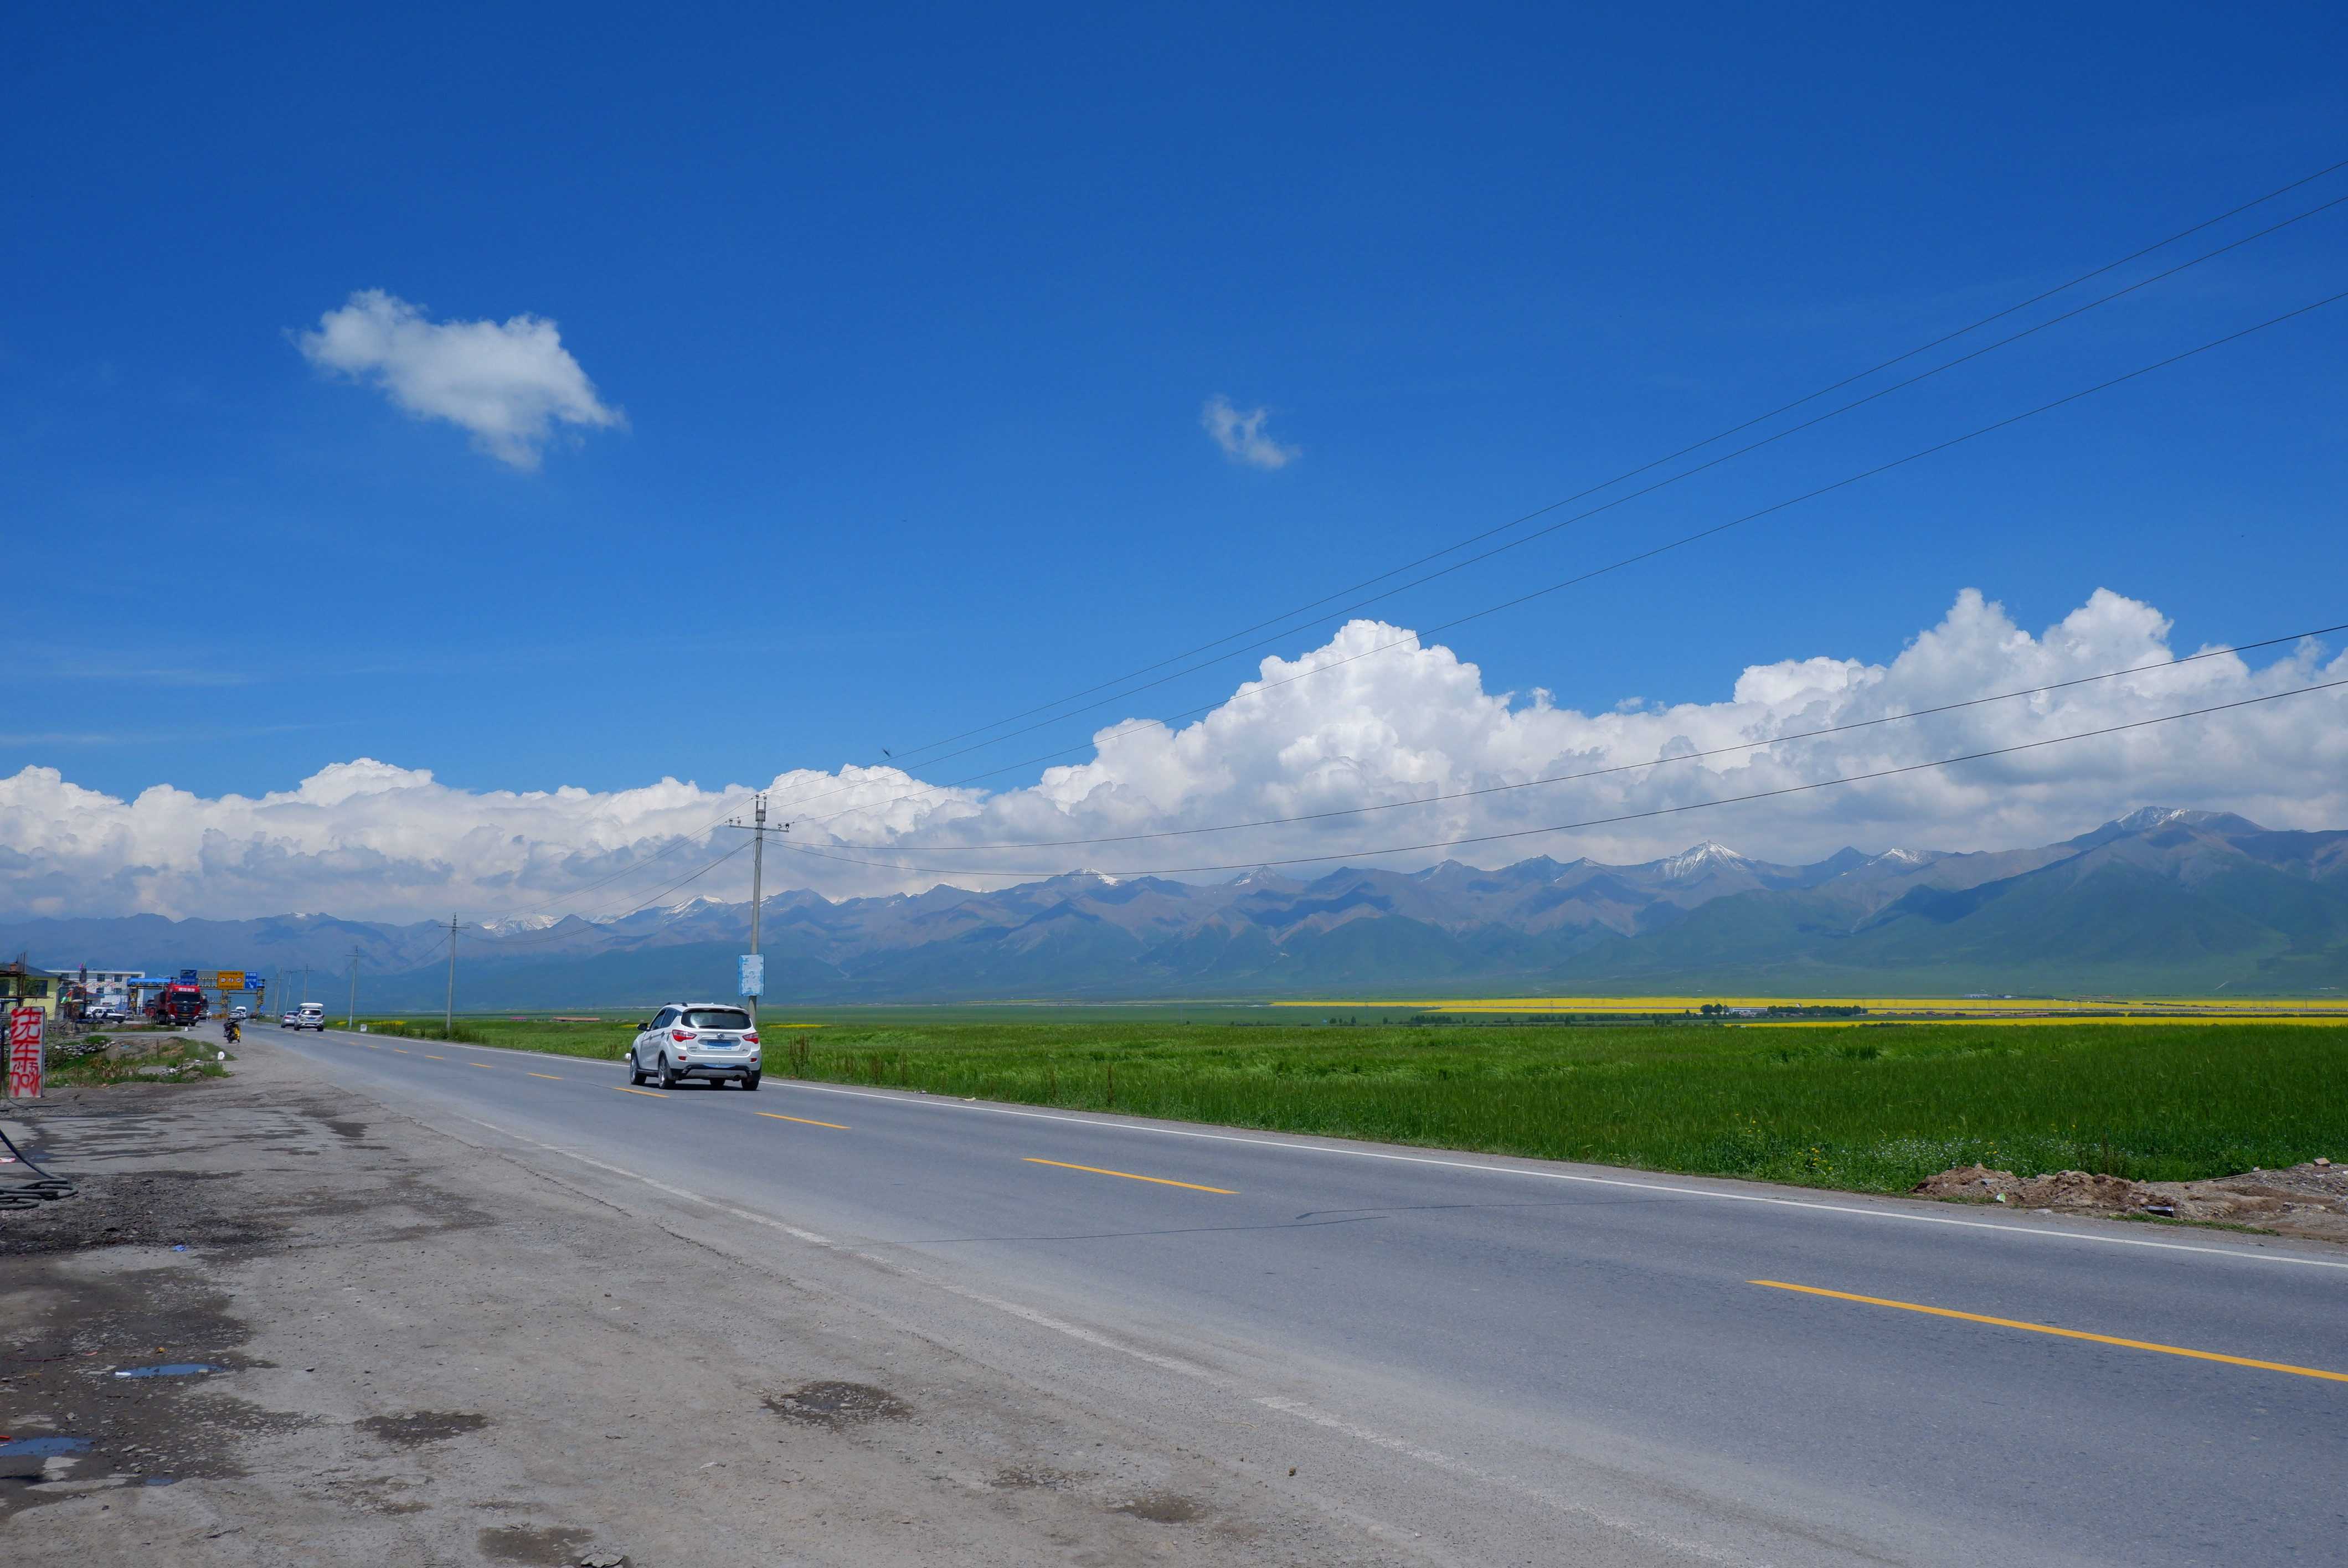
<point>370,840</point>
<point>1242,437</point>
<point>508,383</point>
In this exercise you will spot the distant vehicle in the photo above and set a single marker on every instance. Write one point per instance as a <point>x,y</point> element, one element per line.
<point>311,1015</point>
<point>287,1020</point>
<point>240,1012</point>
<point>180,1002</point>
<point>713,1041</point>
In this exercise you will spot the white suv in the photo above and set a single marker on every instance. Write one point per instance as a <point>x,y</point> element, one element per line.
<point>713,1041</point>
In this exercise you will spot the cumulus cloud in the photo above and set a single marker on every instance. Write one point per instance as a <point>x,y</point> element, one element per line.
<point>509,383</point>
<point>1242,437</point>
<point>1370,725</point>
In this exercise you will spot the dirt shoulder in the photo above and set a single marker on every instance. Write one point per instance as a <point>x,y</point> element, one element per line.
<point>2309,1201</point>
<point>427,1355</point>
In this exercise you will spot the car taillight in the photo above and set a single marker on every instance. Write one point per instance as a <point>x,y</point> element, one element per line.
<point>683,1034</point>
<point>749,1040</point>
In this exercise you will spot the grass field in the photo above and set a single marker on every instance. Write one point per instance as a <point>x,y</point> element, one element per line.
<point>1867,1107</point>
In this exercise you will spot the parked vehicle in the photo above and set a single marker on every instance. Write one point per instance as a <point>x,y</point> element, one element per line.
<point>311,1015</point>
<point>711,1041</point>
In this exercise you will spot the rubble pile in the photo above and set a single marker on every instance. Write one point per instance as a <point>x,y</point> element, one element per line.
<point>2308,1200</point>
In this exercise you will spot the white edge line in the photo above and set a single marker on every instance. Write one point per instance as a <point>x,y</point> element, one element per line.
<point>1028,1313</point>
<point>1409,1449</point>
<point>1296,1408</point>
<point>946,1103</point>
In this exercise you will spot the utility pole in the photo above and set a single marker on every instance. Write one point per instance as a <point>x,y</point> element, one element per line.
<point>758,830</point>
<point>306,982</point>
<point>449,1023</point>
<point>351,1019</point>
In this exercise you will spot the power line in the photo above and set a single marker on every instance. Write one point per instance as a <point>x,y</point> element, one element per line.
<point>1631,767</point>
<point>675,842</point>
<point>1620,564</point>
<point>1605,506</point>
<point>544,937</point>
<point>904,755</point>
<point>1606,820</point>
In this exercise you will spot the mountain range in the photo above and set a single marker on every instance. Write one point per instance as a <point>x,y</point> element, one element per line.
<point>2163,901</point>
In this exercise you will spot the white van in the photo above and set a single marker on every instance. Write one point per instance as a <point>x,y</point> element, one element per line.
<point>313,1015</point>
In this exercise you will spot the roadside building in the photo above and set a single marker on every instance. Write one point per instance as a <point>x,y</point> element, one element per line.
<point>23,985</point>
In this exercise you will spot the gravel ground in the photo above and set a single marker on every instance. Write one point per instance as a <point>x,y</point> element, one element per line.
<point>424,1354</point>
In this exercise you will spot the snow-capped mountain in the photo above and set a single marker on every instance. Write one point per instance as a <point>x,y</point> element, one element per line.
<point>2164,897</point>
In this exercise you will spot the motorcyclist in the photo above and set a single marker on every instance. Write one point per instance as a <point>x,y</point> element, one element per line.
<point>228,1029</point>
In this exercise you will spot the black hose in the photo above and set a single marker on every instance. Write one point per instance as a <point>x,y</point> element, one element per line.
<point>31,1195</point>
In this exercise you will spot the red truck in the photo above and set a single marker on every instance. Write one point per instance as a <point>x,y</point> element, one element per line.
<point>180,1002</point>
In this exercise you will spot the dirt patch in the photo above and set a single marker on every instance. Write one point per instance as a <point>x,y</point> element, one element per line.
<point>2309,1199</point>
<point>1024,1478</point>
<point>75,1426</point>
<point>420,1427</point>
<point>547,1545</point>
<point>154,1208</point>
<point>838,1405</point>
<point>1163,1508</point>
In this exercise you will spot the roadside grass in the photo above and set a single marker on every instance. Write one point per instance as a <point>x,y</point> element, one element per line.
<point>93,1065</point>
<point>1870,1108</point>
<point>596,1040</point>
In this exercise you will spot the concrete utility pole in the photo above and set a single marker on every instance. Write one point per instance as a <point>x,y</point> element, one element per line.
<point>757,892</point>
<point>448,1022</point>
<point>351,1020</point>
<point>757,827</point>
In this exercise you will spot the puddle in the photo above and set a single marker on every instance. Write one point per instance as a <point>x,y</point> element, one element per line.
<point>41,1448</point>
<point>175,1370</point>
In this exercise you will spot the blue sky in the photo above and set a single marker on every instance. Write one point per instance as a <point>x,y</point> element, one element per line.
<point>910,314</point>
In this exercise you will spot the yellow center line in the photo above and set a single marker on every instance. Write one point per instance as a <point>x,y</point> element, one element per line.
<point>556,1076</point>
<point>488,1064</point>
<point>1128,1175</point>
<point>396,1051</point>
<point>645,1092</point>
<point>2064,1333</point>
<point>430,1057</point>
<point>772,1116</point>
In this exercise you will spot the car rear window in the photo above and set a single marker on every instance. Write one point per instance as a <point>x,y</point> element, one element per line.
<point>716,1017</point>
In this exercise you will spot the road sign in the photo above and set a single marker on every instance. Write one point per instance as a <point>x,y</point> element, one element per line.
<point>255,983</point>
<point>753,974</point>
<point>25,1053</point>
<point>230,981</point>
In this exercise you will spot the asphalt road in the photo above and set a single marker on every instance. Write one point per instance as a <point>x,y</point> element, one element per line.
<point>1525,1336</point>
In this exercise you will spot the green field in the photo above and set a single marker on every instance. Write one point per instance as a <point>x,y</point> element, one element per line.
<point>1871,1107</point>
